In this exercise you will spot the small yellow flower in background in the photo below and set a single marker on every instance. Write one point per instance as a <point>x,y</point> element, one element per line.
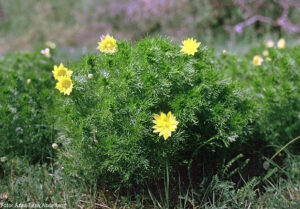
<point>50,44</point>
<point>107,44</point>
<point>268,59</point>
<point>46,52</point>
<point>224,51</point>
<point>61,71</point>
<point>281,43</point>
<point>164,124</point>
<point>257,60</point>
<point>189,46</point>
<point>266,53</point>
<point>64,85</point>
<point>28,81</point>
<point>270,43</point>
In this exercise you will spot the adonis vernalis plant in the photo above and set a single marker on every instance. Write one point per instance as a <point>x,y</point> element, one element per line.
<point>281,43</point>
<point>64,85</point>
<point>257,60</point>
<point>107,44</point>
<point>165,124</point>
<point>61,71</point>
<point>190,46</point>
<point>109,115</point>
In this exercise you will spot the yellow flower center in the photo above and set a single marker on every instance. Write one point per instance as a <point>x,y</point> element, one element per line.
<point>166,123</point>
<point>167,126</point>
<point>109,45</point>
<point>66,84</point>
<point>61,72</point>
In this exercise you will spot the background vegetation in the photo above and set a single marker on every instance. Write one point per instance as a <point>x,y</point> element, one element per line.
<point>26,106</point>
<point>77,25</point>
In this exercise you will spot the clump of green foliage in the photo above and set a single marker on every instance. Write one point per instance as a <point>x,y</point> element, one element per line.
<point>26,106</point>
<point>110,135</point>
<point>275,89</point>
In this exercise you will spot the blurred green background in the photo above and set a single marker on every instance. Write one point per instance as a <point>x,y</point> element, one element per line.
<point>76,25</point>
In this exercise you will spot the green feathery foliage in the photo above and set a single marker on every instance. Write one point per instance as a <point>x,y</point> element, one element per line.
<point>26,106</point>
<point>275,89</point>
<point>110,113</point>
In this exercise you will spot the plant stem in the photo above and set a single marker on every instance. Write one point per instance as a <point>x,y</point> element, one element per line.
<point>293,140</point>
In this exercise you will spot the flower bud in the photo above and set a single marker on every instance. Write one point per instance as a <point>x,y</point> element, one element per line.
<point>54,146</point>
<point>3,159</point>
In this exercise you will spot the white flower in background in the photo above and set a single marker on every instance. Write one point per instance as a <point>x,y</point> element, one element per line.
<point>50,44</point>
<point>28,81</point>
<point>224,51</point>
<point>54,146</point>
<point>90,75</point>
<point>3,159</point>
<point>232,138</point>
<point>46,52</point>
<point>4,196</point>
<point>270,43</point>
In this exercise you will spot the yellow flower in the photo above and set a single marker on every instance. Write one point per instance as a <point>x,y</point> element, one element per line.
<point>281,43</point>
<point>190,46</point>
<point>50,44</point>
<point>61,71</point>
<point>265,53</point>
<point>257,60</point>
<point>107,44</point>
<point>270,44</point>
<point>64,85</point>
<point>164,124</point>
<point>268,59</point>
